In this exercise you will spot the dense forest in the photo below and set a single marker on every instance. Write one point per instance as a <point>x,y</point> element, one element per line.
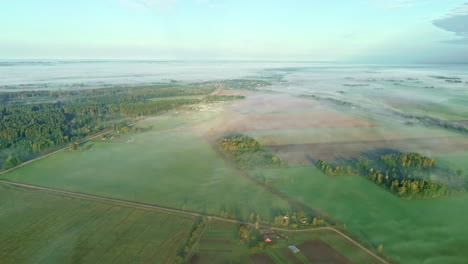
<point>35,122</point>
<point>408,175</point>
<point>247,152</point>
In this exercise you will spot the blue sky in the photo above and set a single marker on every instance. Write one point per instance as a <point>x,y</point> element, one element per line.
<point>319,30</point>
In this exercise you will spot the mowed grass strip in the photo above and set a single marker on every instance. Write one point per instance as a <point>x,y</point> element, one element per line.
<point>38,227</point>
<point>219,244</point>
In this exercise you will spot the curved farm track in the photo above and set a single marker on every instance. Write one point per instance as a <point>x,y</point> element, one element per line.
<point>298,205</point>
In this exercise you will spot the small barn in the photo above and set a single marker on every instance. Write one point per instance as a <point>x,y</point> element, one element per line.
<point>294,249</point>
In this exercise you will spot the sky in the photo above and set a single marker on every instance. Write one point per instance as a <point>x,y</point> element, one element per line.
<point>406,31</point>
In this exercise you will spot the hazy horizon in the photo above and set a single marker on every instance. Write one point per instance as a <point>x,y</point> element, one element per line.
<point>368,31</point>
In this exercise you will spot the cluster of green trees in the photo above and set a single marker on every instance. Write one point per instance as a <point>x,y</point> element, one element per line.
<point>248,153</point>
<point>251,237</point>
<point>408,187</point>
<point>334,170</point>
<point>221,98</point>
<point>35,122</point>
<point>11,162</point>
<point>407,160</point>
<point>330,100</point>
<point>298,219</point>
<point>194,235</point>
<point>407,175</point>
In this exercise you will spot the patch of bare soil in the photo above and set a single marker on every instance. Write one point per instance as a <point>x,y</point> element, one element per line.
<point>261,258</point>
<point>288,253</point>
<point>315,119</point>
<point>233,92</point>
<point>318,251</point>
<point>304,153</point>
<point>195,259</point>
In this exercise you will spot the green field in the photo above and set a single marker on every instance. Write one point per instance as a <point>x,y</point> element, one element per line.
<point>38,227</point>
<point>168,165</point>
<point>455,160</point>
<point>411,231</point>
<point>171,162</point>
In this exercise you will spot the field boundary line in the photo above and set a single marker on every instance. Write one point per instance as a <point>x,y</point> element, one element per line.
<point>140,205</point>
<point>189,254</point>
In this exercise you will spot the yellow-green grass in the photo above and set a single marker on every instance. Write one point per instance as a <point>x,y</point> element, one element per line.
<point>455,161</point>
<point>168,166</point>
<point>411,231</point>
<point>39,227</point>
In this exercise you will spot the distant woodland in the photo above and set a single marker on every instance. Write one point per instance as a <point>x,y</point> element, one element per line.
<point>35,122</point>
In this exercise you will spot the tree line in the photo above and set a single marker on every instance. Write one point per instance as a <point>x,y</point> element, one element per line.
<point>35,122</point>
<point>248,152</point>
<point>407,175</point>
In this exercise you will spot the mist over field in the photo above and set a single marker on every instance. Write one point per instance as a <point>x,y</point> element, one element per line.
<point>234,131</point>
<point>375,151</point>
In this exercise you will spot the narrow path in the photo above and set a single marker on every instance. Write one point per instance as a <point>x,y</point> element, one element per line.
<point>139,205</point>
<point>192,249</point>
<point>182,212</point>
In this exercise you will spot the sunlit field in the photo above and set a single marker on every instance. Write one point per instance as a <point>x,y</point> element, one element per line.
<point>40,227</point>
<point>169,165</point>
<point>410,231</point>
<point>174,159</point>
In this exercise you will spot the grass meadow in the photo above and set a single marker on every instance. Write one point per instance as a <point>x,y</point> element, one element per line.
<point>38,227</point>
<point>168,166</point>
<point>411,231</point>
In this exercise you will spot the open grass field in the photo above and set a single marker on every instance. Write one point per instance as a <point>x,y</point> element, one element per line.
<point>170,165</point>
<point>411,231</point>
<point>38,227</point>
<point>456,160</point>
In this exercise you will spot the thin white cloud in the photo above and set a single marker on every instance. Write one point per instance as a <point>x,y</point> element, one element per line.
<point>159,4</point>
<point>458,11</point>
<point>399,4</point>
<point>455,21</point>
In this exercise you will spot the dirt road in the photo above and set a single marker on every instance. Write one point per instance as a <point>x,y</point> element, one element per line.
<point>181,212</point>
